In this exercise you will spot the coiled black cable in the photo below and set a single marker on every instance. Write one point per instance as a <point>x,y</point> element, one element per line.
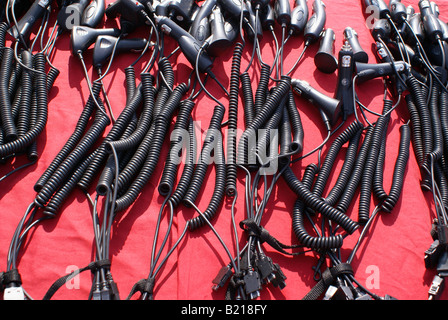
<point>279,92</point>
<point>220,174</point>
<point>6,69</point>
<point>370,167</point>
<point>248,98</point>
<point>31,150</point>
<point>317,204</point>
<point>285,135</point>
<point>346,171</point>
<point>264,139</point>
<point>437,150</point>
<point>378,178</point>
<point>296,146</point>
<point>3,32</point>
<point>163,92</point>
<point>136,162</point>
<point>62,172</point>
<point>352,185</point>
<point>443,108</point>
<point>211,143</point>
<point>263,87</point>
<point>309,175</point>
<point>56,202</point>
<point>16,74</point>
<point>188,169</point>
<point>442,183</point>
<point>114,133</point>
<point>41,96</point>
<point>169,174</point>
<point>327,165</point>
<point>73,140</point>
<point>233,120</point>
<point>129,73</point>
<point>161,127</point>
<point>425,118</point>
<point>416,128</point>
<point>316,243</point>
<point>145,119</point>
<point>104,185</point>
<point>399,171</point>
<point>26,95</point>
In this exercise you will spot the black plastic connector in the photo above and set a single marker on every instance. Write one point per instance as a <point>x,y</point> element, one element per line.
<point>442,234</point>
<point>222,277</point>
<point>279,280</point>
<point>252,284</point>
<point>266,268</point>
<point>346,68</point>
<point>442,265</point>
<point>114,293</point>
<point>96,294</point>
<point>432,255</point>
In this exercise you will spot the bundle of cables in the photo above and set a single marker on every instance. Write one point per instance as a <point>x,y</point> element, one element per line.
<point>418,38</point>
<point>27,77</point>
<point>111,158</point>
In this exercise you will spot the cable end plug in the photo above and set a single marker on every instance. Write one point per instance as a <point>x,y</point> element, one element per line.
<point>252,284</point>
<point>11,283</point>
<point>279,277</point>
<point>14,293</point>
<point>266,268</point>
<point>436,288</point>
<point>222,277</point>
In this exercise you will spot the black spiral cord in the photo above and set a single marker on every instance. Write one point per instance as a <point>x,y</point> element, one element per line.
<point>24,113</point>
<point>111,159</point>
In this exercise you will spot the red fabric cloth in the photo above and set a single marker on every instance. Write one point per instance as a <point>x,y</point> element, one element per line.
<point>389,261</point>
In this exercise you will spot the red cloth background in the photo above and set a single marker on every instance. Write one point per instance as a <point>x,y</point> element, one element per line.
<point>393,249</point>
